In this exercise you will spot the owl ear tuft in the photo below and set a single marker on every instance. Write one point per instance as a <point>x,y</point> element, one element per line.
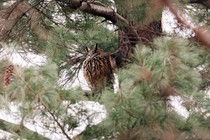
<point>87,49</point>
<point>96,48</point>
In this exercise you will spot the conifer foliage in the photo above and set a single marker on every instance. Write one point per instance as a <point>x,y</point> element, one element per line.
<point>153,69</point>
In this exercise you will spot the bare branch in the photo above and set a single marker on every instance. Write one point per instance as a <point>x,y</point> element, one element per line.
<point>59,125</point>
<point>98,10</point>
<point>202,33</point>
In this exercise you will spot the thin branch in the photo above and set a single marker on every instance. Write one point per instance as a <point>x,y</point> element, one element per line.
<point>47,16</point>
<point>202,33</point>
<point>59,125</point>
<point>14,14</point>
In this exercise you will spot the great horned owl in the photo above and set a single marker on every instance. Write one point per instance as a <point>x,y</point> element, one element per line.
<point>98,69</point>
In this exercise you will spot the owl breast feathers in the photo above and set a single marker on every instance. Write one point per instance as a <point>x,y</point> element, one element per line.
<point>98,69</point>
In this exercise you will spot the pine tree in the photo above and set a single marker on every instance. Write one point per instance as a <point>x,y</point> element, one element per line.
<point>153,67</point>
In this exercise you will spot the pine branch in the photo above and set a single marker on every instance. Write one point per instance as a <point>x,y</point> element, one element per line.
<point>59,125</point>
<point>10,16</point>
<point>18,129</point>
<point>205,3</point>
<point>202,33</point>
<point>97,10</point>
<point>128,32</point>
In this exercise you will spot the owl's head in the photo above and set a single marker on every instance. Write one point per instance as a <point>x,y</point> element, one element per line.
<point>94,51</point>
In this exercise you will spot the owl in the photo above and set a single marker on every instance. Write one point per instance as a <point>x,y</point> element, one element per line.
<point>98,69</point>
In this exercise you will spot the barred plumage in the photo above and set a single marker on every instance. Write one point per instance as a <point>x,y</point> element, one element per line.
<point>8,75</point>
<point>98,69</point>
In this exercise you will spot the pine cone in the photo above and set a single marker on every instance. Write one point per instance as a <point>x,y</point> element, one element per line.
<point>8,75</point>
